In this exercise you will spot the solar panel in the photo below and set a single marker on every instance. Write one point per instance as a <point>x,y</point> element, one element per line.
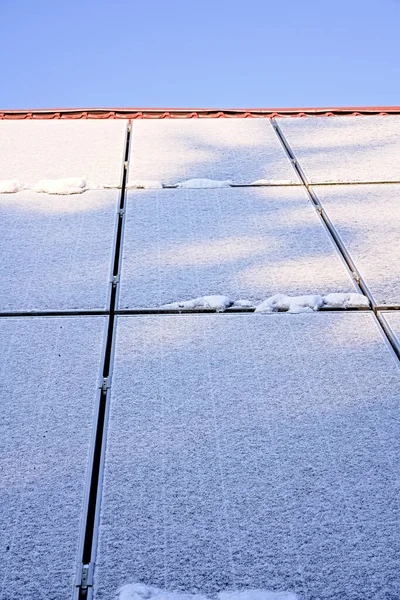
<point>35,150</point>
<point>392,319</point>
<point>50,371</point>
<point>241,150</point>
<point>244,243</point>
<point>367,219</point>
<point>345,149</point>
<point>252,451</point>
<point>56,250</point>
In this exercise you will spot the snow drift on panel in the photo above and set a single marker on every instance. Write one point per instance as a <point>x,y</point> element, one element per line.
<point>144,185</point>
<point>257,595</point>
<point>292,304</point>
<point>340,300</point>
<point>297,304</point>
<point>276,303</point>
<point>203,183</point>
<point>10,186</point>
<point>218,303</point>
<point>272,182</point>
<point>68,185</point>
<point>139,591</point>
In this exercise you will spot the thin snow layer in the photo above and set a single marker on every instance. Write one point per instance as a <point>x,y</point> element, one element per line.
<point>49,369</point>
<point>393,320</point>
<point>10,186</point>
<point>247,243</point>
<point>139,591</point>
<point>312,302</point>
<point>56,251</point>
<point>65,186</point>
<point>203,183</point>
<point>367,219</point>
<point>292,304</point>
<point>242,456</point>
<point>257,595</point>
<point>345,149</point>
<point>144,185</point>
<point>273,182</point>
<point>31,150</point>
<point>238,150</point>
<point>217,303</point>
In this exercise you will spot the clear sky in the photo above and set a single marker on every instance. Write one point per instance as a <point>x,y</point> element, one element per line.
<point>213,53</point>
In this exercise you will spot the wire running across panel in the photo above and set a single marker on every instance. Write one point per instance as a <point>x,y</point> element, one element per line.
<point>50,371</point>
<point>56,250</point>
<point>240,150</point>
<point>252,451</point>
<point>367,219</point>
<point>345,149</point>
<point>246,243</point>
<point>34,150</point>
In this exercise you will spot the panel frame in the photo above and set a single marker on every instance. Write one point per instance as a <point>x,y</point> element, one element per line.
<point>375,323</point>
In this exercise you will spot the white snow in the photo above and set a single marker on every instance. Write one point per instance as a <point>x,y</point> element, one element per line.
<point>218,303</point>
<point>139,591</point>
<point>298,304</point>
<point>292,304</point>
<point>145,184</point>
<point>10,186</point>
<point>345,149</point>
<point>67,185</point>
<point>203,183</point>
<point>276,303</point>
<point>272,182</point>
<point>257,595</point>
<point>243,303</point>
<point>340,300</point>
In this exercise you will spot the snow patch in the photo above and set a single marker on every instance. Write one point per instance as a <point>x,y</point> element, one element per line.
<point>203,183</point>
<point>10,186</point>
<point>340,300</point>
<point>276,303</point>
<point>272,182</point>
<point>218,303</point>
<point>257,595</point>
<point>298,304</point>
<point>292,304</point>
<point>139,591</point>
<point>144,185</point>
<point>68,185</point>
<point>243,304</point>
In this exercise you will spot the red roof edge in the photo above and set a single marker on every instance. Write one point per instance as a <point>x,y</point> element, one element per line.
<point>190,113</point>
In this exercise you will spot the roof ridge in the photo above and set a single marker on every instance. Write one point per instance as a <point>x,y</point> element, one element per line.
<point>187,113</point>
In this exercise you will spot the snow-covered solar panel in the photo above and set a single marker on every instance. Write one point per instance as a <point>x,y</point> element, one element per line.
<point>250,451</point>
<point>50,370</point>
<point>392,319</point>
<point>345,149</point>
<point>367,218</point>
<point>241,150</point>
<point>246,243</point>
<point>34,150</point>
<point>56,250</point>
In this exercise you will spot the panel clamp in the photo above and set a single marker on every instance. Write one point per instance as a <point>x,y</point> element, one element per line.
<point>84,576</point>
<point>106,384</point>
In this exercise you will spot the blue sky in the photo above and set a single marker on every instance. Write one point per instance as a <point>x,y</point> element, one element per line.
<point>217,53</point>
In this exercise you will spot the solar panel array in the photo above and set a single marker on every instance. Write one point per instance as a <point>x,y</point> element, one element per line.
<point>200,452</point>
